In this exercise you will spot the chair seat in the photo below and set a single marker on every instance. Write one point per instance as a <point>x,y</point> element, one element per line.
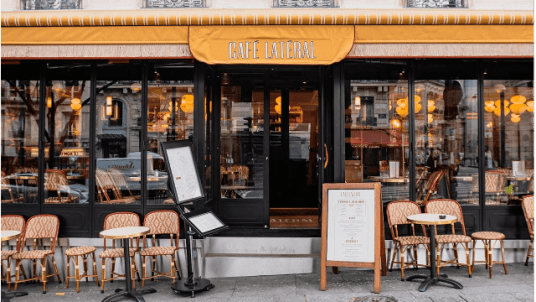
<point>38,254</point>
<point>453,238</point>
<point>116,253</point>
<point>158,250</point>
<point>80,250</point>
<point>7,254</point>
<point>411,240</point>
<point>488,236</point>
<point>60,200</point>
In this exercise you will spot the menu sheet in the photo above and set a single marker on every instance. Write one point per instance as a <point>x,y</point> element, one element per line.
<point>181,163</point>
<point>206,222</point>
<point>350,228</point>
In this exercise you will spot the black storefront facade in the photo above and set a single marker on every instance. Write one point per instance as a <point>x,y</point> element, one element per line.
<point>266,136</point>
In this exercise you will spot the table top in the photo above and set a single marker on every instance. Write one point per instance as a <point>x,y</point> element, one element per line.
<point>22,176</point>
<point>463,178</point>
<point>121,233</point>
<point>75,176</point>
<point>431,219</point>
<point>8,235</point>
<point>149,178</point>
<point>525,178</point>
<point>391,180</point>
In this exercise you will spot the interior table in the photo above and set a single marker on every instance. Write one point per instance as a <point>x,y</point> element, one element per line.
<point>8,235</point>
<point>433,220</point>
<point>126,234</point>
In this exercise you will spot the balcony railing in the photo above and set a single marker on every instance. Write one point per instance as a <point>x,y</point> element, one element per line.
<point>305,3</point>
<point>436,3</point>
<point>174,3</point>
<point>50,4</point>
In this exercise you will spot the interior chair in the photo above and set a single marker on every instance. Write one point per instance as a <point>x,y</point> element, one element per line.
<point>120,183</point>
<point>39,227</point>
<point>106,187</point>
<point>450,207</point>
<point>420,176</point>
<point>430,187</point>
<point>6,187</point>
<point>11,223</point>
<point>56,181</point>
<point>528,210</point>
<point>495,186</point>
<point>112,221</point>
<point>160,222</point>
<point>242,177</point>
<point>397,213</point>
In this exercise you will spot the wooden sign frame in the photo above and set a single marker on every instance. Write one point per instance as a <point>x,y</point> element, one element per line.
<point>379,262</point>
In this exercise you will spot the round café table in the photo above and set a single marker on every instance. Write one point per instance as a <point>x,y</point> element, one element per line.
<point>8,235</point>
<point>125,234</point>
<point>433,220</point>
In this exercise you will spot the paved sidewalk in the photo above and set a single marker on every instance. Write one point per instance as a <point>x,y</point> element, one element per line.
<point>518,285</point>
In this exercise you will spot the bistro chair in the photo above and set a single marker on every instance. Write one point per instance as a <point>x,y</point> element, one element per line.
<point>494,185</point>
<point>450,207</point>
<point>11,223</point>
<point>489,239</point>
<point>56,181</point>
<point>242,177</point>
<point>112,221</point>
<point>39,227</point>
<point>73,255</point>
<point>120,183</point>
<point>528,210</point>
<point>161,222</point>
<point>397,213</point>
<point>430,187</point>
<point>107,187</point>
<point>6,186</point>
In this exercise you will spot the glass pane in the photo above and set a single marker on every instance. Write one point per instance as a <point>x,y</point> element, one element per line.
<point>509,136</point>
<point>376,128</point>
<point>446,131</point>
<point>170,116</point>
<point>242,131</point>
<point>67,134</point>
<point>20,133</point>
<point>118,120</point>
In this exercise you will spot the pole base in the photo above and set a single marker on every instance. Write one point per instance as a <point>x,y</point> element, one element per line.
<point>198,286</point>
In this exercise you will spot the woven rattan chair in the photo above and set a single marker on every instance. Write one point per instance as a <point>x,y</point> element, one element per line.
<point>528,210</point>
<point>11,223</point>
<point>6,186</point>
<point>430,187</point>
<point>112,221</point>
<point>84,252</point>
<point>397,213</point>
<point>495,182</point>
<point>121,184</point>
<point>107,187</point>
<point>39,227</point>
<point>56,181</point>
<point>450,207</point>
<point>243,174</point>
<point>161,222</point>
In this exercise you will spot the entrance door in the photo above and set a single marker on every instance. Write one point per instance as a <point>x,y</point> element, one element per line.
<point>268,142</point>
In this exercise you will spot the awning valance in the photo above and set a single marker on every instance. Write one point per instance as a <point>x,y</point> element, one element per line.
<point>312,16</point>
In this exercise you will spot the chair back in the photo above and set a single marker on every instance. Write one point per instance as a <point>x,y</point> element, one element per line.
<point>43,226</point>
<point>14,223</point>
<point>528,210</point>
<point>32,170</point>
<point>495,181</point>
<point>397,213</point>
<point>55,180</point>
<point>104,183</point>
<point>243,171</point>
<point>431,184</point>
<point>163,222</point>
<point>118,178</point>
<point>5,185</point>
<point>120,220</point>
<point>448,207</point>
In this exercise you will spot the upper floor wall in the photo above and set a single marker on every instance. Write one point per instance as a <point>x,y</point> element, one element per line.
<point>14,5</point>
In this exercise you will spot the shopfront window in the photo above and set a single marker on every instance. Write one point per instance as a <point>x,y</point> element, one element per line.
<point>509,134</point>
<point>170,116</point>
<point>118,134</point>
<point>67,133</point>
<point>376,127</point>
<point>20,133</point>
<point>446,131</point>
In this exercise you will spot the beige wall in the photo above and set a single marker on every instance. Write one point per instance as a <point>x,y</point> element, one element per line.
<point>10,5</point>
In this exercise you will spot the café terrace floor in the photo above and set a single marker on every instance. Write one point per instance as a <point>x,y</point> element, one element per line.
<point>349,285</point>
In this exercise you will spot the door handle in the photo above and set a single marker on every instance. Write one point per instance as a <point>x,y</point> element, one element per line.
<point>327,156</point>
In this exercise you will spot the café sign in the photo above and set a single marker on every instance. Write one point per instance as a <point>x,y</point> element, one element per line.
<point>289,45</point>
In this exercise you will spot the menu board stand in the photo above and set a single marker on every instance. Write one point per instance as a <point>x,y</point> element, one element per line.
<point>352,229</point>
<point>187,192</point>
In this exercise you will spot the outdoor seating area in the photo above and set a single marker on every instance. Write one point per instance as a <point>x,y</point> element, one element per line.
<point>36,240</point>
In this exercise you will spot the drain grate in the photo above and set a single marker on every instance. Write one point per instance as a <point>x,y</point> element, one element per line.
<point>374,298</point>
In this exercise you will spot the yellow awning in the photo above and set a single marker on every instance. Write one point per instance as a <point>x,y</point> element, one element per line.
<point>310,16</point>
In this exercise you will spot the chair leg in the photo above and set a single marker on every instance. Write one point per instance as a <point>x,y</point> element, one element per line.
<point>503,259</point>
<point>44,274</point>
<point>173,268</point>
<point>113,270</point>
<point>473,264</point>
<point>103,275</point>
<point>56,272</point>
<point>133,270</point>
<point>8,273</point>
<point>529,251</point>
<point>153,267</point>
<point>77,273</point>
<point>85,267</point>
<point>438,257</point>
<point>468,259</point>
<point>143,268</point>
<point>23,273</point>
<point>17,264</point>
<point>68,275</point>
<point>402,262</point>
<point>95,268</point>
<point>490,259</point>
<point>415,259</point>
<point>395,251</point>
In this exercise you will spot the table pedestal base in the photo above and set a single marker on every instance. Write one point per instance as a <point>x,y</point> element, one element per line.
<point>9,295</point>
<point>428,280</point>
<point>135,295</point>
<point>198,285</point>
